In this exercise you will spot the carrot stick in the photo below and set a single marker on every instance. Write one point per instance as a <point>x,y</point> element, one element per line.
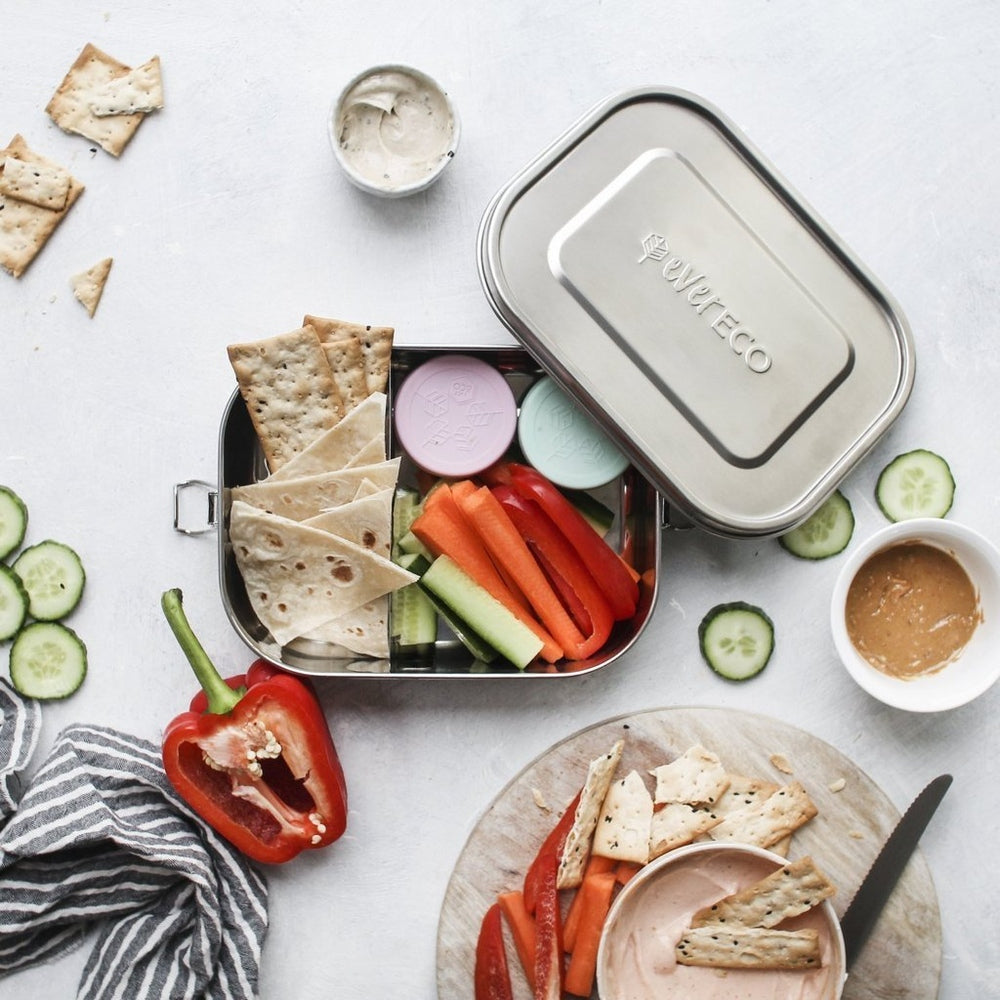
<point>522,930</point>
<point>596,865</point>
<point>596,891</point>
<point>625,870</point>
<point>505,544</point>
<point>443,528</point>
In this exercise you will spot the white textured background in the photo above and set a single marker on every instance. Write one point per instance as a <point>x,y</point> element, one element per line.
<point>228,220</point>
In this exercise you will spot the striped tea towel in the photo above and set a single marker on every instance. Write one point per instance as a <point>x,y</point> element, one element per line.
<point>100,840</point>
<point>20,725</point>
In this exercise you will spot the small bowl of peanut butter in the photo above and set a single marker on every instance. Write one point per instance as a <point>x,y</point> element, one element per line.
<point>915,614</point>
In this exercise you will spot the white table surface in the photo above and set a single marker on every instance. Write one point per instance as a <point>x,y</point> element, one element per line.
<point>228,220</point>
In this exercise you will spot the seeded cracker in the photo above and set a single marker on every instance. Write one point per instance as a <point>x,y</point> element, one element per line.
<point>45,186</point>
<point>71,106</point>
<point>697,778</point>
<point>576,850</point>
<point>749,948</point>
<point>676,824</point>
<point>24,226</point>
<point>88,286</point>
<point>785,893</point>
<point>623,828</point>
<point>289,391</point>
<point>766,822</point>
<point>375,343</point>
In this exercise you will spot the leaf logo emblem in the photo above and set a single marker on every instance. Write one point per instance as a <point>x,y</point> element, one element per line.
<point>654,247</point>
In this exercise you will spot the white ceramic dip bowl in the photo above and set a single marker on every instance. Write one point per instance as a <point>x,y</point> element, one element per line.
<point>976,667</point>
<point>393,130</point>
<point>636,954</point>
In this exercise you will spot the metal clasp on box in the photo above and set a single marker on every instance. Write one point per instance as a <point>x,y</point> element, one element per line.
<point>189,496</point>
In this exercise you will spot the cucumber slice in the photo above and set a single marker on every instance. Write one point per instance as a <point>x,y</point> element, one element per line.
<point>825,533</point>
<point>13,603</point>
<point>486,616</point>
<point>917,483</point>
<point>47,660</point>
<point>13,521</point>
<point>736,640</point>
<point>53,576</point>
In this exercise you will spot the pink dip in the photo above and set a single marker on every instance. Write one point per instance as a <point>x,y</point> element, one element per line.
<point>637,961</point>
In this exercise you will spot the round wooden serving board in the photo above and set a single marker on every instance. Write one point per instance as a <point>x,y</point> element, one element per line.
<point>901,958</point>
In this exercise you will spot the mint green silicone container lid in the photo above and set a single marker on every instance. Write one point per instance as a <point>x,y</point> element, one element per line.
<point>563,442</point>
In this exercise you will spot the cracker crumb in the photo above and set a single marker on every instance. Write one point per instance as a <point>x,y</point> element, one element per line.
<point>536,794</point>
<point>837,786</point>
<point>856,835</point>
<point>780,762</point>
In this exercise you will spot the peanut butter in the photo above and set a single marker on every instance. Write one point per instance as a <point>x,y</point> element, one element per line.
<point>911,609</point>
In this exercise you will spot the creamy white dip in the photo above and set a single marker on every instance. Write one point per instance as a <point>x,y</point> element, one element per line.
<point>394,129</point>
<point>639,960</point>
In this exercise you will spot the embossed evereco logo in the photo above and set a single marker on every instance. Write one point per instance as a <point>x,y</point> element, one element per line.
<point>683,277</point>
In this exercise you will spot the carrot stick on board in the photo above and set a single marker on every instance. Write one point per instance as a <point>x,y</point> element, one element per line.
<point>522,930</point>
<point>444,529</point>
<point>595,892</point>
<point>596,865</point>
<point>504,542</point>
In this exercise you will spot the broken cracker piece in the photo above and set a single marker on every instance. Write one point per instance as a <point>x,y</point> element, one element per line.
<point>623,828</point>
<point>697,778</point>
<point>749,948</point>
<point>44,185</point>
<point>70,106</point>
<point>25,227</point>
<point>140,91</point>
<point>766,822</point>
<point>88,286</point>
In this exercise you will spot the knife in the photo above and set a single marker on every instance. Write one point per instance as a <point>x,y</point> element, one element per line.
<point>860,916</point>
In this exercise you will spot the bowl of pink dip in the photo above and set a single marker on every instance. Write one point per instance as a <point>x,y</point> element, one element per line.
<point>637,955</point>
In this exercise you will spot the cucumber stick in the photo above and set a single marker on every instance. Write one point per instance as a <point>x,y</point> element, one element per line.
<point>413,619</point>
<point>825,533</point>
<point>53,576</point>
<point>13,603</point>
<point>736,640</point>
<point>915,484</point>
<point>512,639</point>
<point>13,521</point>
<point>47,660</point>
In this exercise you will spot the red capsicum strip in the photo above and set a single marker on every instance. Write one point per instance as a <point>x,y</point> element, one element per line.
<point>565,569</point>
<point>605,566</point>
<point>492,973</point>
<point>548,933</point>
<point>253,756</point>
<point>552,846</point>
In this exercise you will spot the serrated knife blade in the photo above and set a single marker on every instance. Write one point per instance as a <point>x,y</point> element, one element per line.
<point>863,911</point>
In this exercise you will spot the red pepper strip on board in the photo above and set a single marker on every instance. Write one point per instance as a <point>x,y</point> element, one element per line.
<point>565,569</point>
<point>552,845</point>
<point>492,973</point>
<point>604,564</point>
<point>254,757</point>
<point>548,933</point>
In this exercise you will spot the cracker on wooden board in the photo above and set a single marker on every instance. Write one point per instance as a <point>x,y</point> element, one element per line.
<point>26,227</point>
<point>767,821</point>
<point>298,577</point>
<point>623,827</point>
<point>749,948</point>
<point>300,499</point>
<point>70,106</point>
<point>785,893</point>
<point>576,851</point>
<point>675,824</point>
<point>375,343</point>
<point>696,777</point>
<point>88,286</point>
<point>289,391</point>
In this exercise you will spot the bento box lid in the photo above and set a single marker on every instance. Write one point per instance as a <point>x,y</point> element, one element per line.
<point>674,284</point>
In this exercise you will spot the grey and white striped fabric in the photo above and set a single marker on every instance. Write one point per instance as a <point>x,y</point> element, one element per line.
<point>101,841</point>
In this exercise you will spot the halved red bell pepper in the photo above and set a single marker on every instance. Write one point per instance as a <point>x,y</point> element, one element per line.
<point>566,571</point>
<point>253,756</point>
<point>619,586</point>
<point>492,973</point>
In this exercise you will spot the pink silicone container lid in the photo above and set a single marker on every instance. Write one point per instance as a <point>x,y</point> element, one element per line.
<point>455,415</point>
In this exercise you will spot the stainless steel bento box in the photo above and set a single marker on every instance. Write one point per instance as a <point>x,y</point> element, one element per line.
<point>636,506</point>
<point>659,269</point>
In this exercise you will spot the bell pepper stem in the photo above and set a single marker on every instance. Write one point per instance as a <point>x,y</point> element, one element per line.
<point>221,697</point>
